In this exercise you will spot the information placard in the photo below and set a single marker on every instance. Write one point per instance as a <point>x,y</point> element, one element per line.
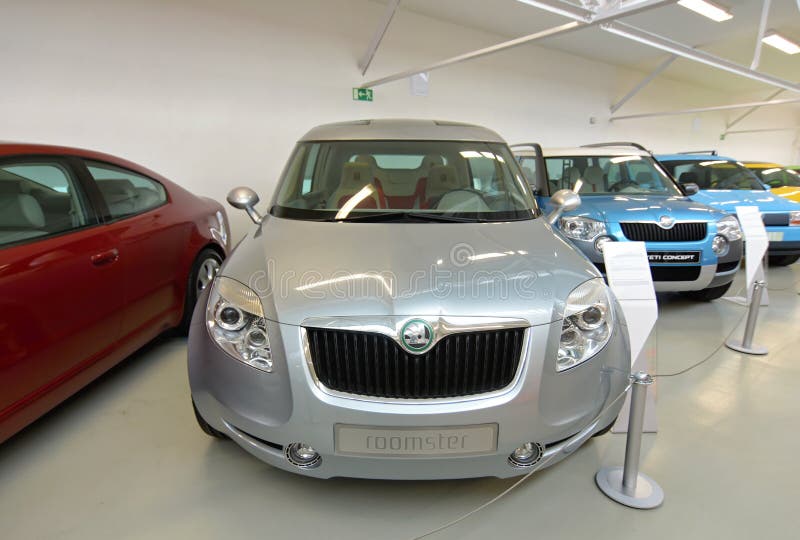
<point>755,247</point>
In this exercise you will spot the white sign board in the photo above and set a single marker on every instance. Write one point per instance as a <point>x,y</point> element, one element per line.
<point>755,247</point>
<point>628,273</point>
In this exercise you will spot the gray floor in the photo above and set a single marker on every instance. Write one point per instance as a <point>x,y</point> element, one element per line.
<point>124,459</point>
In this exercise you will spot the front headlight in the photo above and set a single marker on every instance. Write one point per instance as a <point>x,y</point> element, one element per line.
<point>581,228</point>
<point>588,323</point>
<point>729,228</point>
<point>235,320</point>
<point>794,218</point>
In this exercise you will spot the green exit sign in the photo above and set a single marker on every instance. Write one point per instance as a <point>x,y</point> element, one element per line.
<point>362,94</point>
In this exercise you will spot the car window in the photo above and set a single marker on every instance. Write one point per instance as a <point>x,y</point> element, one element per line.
<point>714,174</point>
<point>341,179</point>
<point>126,193</point>
<point>604,175</point>
<point>38,200</point>
<point>778,177</point>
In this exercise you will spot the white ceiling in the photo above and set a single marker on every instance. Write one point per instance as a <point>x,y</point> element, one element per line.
<point>734,39</point>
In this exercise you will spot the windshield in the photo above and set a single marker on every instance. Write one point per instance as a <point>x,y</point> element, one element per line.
<point>403,181</point>
<point>604,175</point>
<point>777,176</point>
<point>714,174</point>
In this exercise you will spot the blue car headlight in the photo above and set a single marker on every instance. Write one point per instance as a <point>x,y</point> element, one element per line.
<point>729,228</point>
<point>235,319</point>
<point>581,228</point>
<point>587,326</point>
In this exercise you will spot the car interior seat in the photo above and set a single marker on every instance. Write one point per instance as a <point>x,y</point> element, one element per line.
<point>689,177</point>
<point>571,175</point>
<point>21,217</point>
<point>120,196</point>
<point>441,179</point>
<point>355,177</point>
<point>593,180</point>
<point>645,180</point>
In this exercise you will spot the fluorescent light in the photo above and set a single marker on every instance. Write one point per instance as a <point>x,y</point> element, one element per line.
<point>774,39</point>
<point>354,201</point>
<point>771,171</point>
<point>623,159</point>
<point>708,9</point>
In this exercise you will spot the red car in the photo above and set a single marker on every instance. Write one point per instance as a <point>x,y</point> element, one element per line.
<point>98,256</point>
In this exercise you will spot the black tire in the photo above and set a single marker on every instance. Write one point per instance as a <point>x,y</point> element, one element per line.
<point>198,282</point>
<point>605,429</point>
<point>709,294</point>
<point>207,429</point>
<point>783,260</point>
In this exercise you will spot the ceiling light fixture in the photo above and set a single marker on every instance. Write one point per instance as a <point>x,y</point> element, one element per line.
<point>713,11</point>
<point>774,39</point>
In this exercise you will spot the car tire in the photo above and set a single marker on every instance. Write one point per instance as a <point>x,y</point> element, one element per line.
<point>605,429</point>
<point>204,268</point>
<point>709,294</point>
<point>205,426</point>
<point>783,260</point>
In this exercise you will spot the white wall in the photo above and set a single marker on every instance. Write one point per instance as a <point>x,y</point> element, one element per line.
<point>214,94</point>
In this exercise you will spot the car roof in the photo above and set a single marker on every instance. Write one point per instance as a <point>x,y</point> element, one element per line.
<point>585,151</point>
<point>761,165</point>
<point>692,157</point>
<point>396,129</point>
<point>8,149</point>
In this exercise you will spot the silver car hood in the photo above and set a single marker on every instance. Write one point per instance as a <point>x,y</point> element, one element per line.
<point>307,269</point>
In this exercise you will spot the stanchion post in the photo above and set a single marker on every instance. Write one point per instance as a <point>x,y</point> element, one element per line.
<point>746,344</point>
<point>626,484</point>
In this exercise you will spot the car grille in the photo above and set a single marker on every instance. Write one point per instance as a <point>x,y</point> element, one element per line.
<point>651,232</point>
<point>667,273</point>
<point>775,220</point>
<point>373,364</point>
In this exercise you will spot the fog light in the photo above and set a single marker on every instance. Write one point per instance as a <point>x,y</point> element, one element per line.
<point>302,455</point>
<point>602,241</point>
<point>526,455</point>
<point>720,246</point>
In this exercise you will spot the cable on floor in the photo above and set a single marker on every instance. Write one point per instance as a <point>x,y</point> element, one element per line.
<point>515,484</point>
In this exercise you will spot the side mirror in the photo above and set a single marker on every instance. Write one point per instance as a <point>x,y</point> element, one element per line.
<point>563,200</point>
<point>690,188</point>
<point>245,199</point>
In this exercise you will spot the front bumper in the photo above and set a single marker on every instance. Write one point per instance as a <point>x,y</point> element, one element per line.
<point>265,412</point>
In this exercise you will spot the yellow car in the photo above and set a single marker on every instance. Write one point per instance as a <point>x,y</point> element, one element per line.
<point>781,180</point>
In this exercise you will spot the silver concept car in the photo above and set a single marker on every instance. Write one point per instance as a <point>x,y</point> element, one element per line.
<point>404,311</point>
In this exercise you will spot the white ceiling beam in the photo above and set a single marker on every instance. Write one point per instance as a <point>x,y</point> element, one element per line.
<point>707,109</point>
<point>627,9</point>
<point>762,28</point>
<point>665,44</point>
<point>388,15</point>
<point>764,130</point>
<point>644,82</point>
<point>752,110</point>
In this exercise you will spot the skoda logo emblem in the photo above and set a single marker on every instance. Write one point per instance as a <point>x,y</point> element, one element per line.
<point>666,222</point>
<point>416,336</point>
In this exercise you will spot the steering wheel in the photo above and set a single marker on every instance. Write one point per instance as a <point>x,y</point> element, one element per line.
<point>468,190</point>
<point>622,184</point>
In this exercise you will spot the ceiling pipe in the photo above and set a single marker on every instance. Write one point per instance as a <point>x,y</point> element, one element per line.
<point>707,109</point>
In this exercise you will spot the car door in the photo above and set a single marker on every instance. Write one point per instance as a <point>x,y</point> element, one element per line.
<point>60,279</point>
<point>151,242</point>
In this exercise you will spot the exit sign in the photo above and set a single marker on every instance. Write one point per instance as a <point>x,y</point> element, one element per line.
<point>362,94</point>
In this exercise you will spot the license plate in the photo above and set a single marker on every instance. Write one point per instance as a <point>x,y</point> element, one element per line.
<point>775,236</point>
<point>674,257</point>
<point>415,442</point>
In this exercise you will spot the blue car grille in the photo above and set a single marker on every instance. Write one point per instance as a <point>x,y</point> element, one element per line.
<point>775,220</point>
<point>651,232</point>
<point>373,364</point>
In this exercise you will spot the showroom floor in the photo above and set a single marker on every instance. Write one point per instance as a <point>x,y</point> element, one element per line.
<point>125,459</point>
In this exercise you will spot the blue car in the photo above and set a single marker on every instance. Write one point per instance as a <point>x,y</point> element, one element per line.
<point>726,183</point>
<point>627,196</point>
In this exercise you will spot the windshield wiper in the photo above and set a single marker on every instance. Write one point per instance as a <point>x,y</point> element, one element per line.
<point>408,216</point>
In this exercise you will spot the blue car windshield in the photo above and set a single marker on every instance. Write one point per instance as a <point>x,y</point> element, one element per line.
<point>714,174</point>
<point>609,175</point>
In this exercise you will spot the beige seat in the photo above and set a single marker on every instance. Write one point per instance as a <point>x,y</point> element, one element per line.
<point>355,177</point>
<point>120,196</point>
<point>441,179</point>
<point>21,217</point>
<point>571,175</point>
<point>593,180</point>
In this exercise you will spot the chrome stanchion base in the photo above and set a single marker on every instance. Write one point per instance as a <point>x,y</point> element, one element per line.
<point>736,345</point>
<point>648,494</point>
